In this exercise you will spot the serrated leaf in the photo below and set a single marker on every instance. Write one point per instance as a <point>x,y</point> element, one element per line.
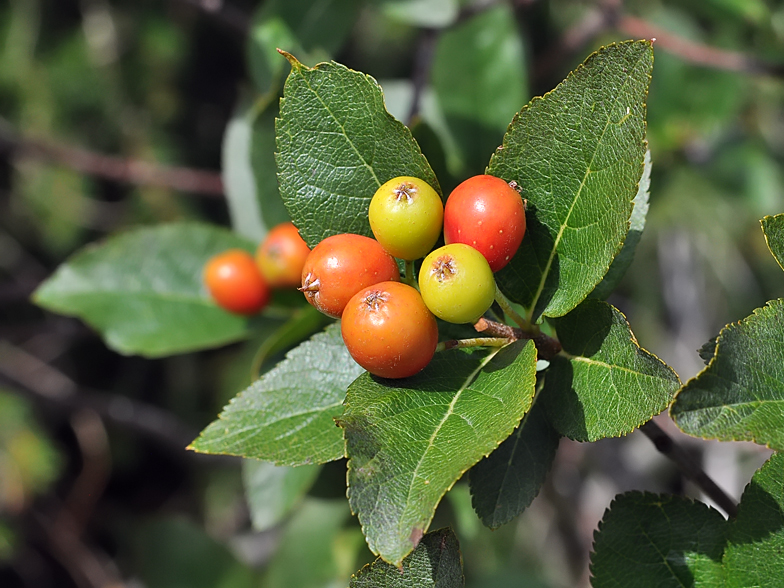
<point>143,291</point>
<point>435,563</point>
<point>286,417</point>
<point>274,491</point>
<point>505,482</point>
<point>739,396</point>
<point>651,541</point>
<point>409,440</point>
<point>577,153</point>
<point>708,350</point>
<point>773,228</point>
<point>336,145</point>
<point>603,384</point>
<point>755,554</point>
<point>624,259</point>
<point>237,174</point>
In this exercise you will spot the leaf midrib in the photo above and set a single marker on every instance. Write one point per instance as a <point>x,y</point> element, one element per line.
<point>565,223</point>
<point>342,128</point>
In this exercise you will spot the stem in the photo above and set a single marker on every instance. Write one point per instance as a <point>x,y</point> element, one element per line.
<point>546,347</point>
<point>474,342</point>
<point>689,467</point>
<point>409,276</point>
<point>506,305</point>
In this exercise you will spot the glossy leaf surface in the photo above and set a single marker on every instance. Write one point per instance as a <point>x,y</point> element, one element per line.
<point>286,417</point>
<point>143,291</point>
<point>577,153</point>
<point>409,440</point>
<point>606,385</point>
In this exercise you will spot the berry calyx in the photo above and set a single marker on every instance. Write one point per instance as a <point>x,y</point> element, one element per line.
<point>389,331</point>
<point>235,282</point>
<point>342,265</point>
<point>457,283</point>
<point>489,215</point>
<point>406,215</point>
<point>282,255</point>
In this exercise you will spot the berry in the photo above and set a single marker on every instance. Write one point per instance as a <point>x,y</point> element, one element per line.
<point>342,265</point>
<point>281,256</point>
<point>235,282</point>
<point>389,331</point>
<point>457,283</point>
<point>405,216</point>
<point>488,214</point>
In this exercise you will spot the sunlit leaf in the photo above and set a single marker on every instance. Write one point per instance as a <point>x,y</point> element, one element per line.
<point>577,154</point>
<point>739,396</point>
<point>336,145</point>
<point>604,384</point>
<point>408,441</point>
<point>286,417</point>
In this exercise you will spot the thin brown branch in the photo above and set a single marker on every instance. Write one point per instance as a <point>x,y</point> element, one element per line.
<point>25,373</point>
<point>689,467</point>
<point>118,169</point>
<point>697,53</point>
<point>546,346</point>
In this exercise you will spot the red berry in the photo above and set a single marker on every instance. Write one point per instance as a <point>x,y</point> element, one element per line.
<point>235,282</point>
<point>342,265</point>
<point>489,215</point>
<point>282,255</point>
<point>389,331</point>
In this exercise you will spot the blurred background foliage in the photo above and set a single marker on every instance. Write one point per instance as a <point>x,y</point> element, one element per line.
<point>120,113</point>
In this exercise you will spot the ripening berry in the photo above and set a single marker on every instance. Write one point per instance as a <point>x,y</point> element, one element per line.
<point>282,255</point>
<point>235,282</point>
<point>457,283</point>
<point>406,215</point>
<point>342,265</point>
<point>489,215</point>
<point>389,331</point>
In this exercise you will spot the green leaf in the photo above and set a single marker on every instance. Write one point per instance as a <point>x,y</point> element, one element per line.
<point>488,53</point>
<point>286,417</point>
<point>577,153</point>
<point>773,228</point>
<point>739,396</point>
<point>756,537</point>
<point>142,290</point>
<point>268,32</point>
<point>651,541</point>
<point>274,491</point>
<point>409,440</point>
<point>505,482</point>
<point>603,384</point>
<point>336,145</point>
<point>624,259</point>
<point>435,563</point>
<point>237,173</point>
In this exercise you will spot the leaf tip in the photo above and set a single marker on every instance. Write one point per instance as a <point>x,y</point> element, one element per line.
<point>295,63</point>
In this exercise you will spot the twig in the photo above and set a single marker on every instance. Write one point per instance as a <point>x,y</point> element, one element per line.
<point>697,53</point>
<point>689,467</point>
<point>546,346</point>
<point>110,167</point>
<point>25,373</point>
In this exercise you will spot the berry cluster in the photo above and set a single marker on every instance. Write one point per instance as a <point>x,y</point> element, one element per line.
<point>243,285</point>
<point>389,327</point>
